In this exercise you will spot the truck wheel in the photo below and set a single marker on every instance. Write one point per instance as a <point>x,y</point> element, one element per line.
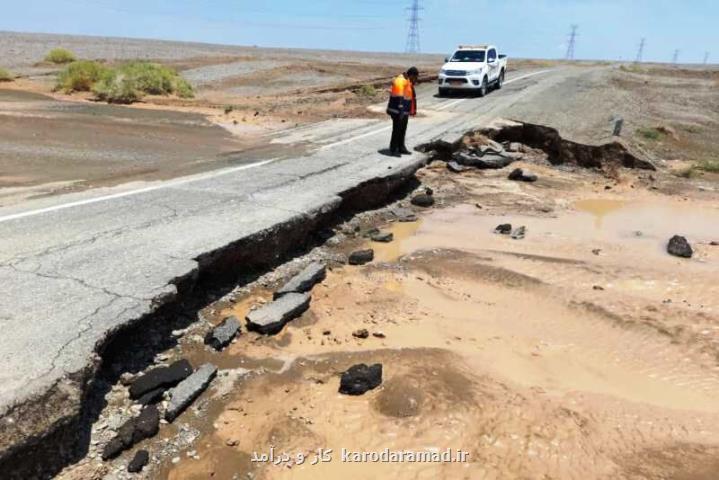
<point>500,80</point>
<point>483,88</point>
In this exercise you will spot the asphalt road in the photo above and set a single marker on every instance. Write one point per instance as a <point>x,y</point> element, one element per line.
<point>76,267</point>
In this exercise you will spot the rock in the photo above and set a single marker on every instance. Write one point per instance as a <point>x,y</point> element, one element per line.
<point>133,431</point>
<point>362,333</point>
<point>221,336</point>
<point>361,378</point>
<point>303,282</point>
<point>404,214</point>
<point>520,175</point>
<point>270,318</point>
<point>455,167</point>
<point>360,257</point>
<point>679,247</point>
<point>422,200</point>
<point>483,160</point>
<point>597,251</point>
<point>161,377</point>
<point>428,191</point>
<point>713,243</point>
<point>188,390</point>
<point>598,287</point>
<point>138,462</point>
<point>379,335</point>
<point>382,237</point>
<point>153,396</point>
<point>519,233</point>
<point>504,229</point>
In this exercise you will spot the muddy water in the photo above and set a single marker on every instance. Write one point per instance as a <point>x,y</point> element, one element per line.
<point>504,349</point>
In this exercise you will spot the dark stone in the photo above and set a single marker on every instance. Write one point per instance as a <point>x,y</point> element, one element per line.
<point>138,462</point>
<point>363,333</point>
<point>160,377</point>
<point>378,335</point>
<point>153,396</point>
<point>521,176</point>
<point>360,257</point>
<point>713,243</point>
<point>423,200</point>
<point>361,378</point>
<point>404,214</point>
<point>382,237</point>
<point>221,336</point>
<point>133,431</point>
<point>504,229</point>
<point>679,247</point>
<point>428,191</point>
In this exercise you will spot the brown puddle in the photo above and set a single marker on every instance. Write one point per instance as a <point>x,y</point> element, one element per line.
<point>501,348</point>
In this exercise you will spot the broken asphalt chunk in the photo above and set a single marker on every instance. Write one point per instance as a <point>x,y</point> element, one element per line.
<point>303,282</point>
<point>221,336</point>
<point>522,176</point>
<point>361,378</point>
<point>360,257</point>
<point>679,247</point>
<point>188,390</point>
<point>160,377</point>
<point>404,214</point>
<point>455,167</point>
<point>133,431</point>
<point>270,318</point>
<point>382,237</point>
<point>519,233</point>
<point>487,160</point>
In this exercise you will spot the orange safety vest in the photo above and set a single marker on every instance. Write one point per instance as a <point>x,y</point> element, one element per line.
<point>402,99</point>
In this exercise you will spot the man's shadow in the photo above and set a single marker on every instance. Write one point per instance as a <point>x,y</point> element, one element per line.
<point>387,153</point>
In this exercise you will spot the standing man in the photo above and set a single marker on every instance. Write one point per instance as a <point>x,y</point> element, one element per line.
<point>402,104</point>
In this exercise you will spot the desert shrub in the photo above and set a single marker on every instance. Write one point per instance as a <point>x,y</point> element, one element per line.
<point>154,79</point>
<point>708,166</point>
<point>6,76</point>
<point>687,172</point>
<point>80,76</point>
<point>367,91</point>
<point>59,56</point>
<point>115,87</point>
<point>650,133</point>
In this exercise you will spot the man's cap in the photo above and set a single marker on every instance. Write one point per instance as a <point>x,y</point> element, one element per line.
<point>413,72</point>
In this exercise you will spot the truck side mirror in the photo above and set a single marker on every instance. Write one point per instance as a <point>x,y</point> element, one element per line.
<point>446,59</point>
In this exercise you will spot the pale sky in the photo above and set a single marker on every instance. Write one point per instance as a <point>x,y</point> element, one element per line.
<point>608,29</point>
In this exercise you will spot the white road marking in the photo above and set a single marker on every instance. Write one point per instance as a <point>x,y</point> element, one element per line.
<point>217,173</point>
<point>457,102</point>
<point>104,198</point>
<point>356,137</point>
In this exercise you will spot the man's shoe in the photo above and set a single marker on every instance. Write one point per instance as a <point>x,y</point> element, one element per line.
<point>404,151</point>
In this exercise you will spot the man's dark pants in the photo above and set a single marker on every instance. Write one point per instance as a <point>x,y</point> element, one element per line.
<point>399,130</point>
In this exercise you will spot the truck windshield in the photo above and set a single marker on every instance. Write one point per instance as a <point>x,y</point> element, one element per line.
<point>468,56</point>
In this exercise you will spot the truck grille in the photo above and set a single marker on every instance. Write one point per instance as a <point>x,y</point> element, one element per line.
<point>456,73</point>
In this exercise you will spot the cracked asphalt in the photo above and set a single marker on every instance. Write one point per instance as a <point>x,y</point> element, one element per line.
<point>76,267</point>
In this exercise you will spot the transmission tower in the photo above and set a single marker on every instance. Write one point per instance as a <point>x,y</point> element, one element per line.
<point>706,57</point>
<point>675,57</point>
<point>640,53</point>
<point>572,42</point>
<point>412,45</point>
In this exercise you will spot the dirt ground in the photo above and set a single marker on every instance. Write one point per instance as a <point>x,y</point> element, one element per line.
<point>583,350</point>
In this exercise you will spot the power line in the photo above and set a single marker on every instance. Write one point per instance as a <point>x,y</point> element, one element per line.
<point>412,45</point>
<point>675,57</point>
<point>572,42</point>
<point>640,53</point>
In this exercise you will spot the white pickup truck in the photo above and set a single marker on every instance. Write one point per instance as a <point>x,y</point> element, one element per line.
<point>473,68</point>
